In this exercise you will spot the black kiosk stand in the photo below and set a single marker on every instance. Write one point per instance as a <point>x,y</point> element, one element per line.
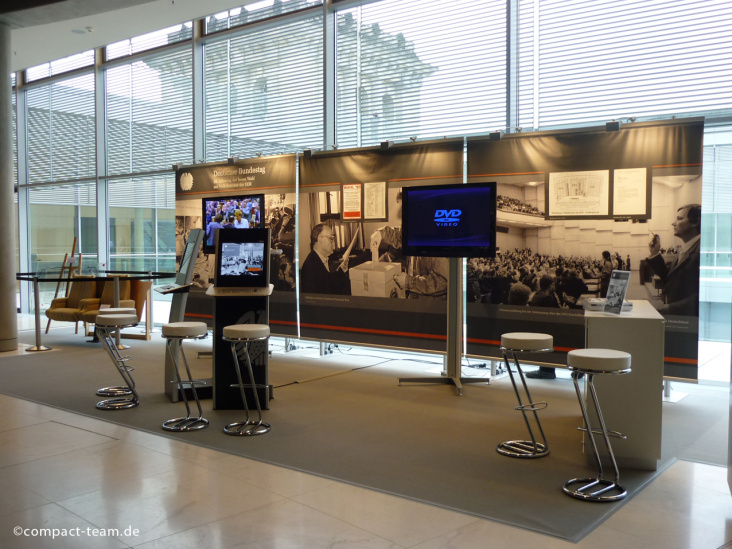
<point>241,293</point>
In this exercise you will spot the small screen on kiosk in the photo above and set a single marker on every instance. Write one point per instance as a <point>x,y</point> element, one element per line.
<point>449,220</point>
<point>242,259</point>
<point>230,212</point>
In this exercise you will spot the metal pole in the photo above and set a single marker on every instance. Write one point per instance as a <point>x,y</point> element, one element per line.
<point>37,298</point>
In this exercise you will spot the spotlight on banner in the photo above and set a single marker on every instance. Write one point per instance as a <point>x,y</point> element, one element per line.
<point>308,153</point>
<point>495,136</point>
<point>233,160</point>
<point>176,167</point>
<point>613,126</point>
<point>386,145</point>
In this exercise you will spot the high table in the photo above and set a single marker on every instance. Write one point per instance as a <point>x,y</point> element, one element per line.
<point>631,404</point>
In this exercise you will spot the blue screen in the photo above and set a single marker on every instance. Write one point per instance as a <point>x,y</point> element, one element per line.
<point>450,220</point>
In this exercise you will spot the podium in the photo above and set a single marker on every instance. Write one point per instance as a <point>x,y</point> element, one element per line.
<point>239,306</point>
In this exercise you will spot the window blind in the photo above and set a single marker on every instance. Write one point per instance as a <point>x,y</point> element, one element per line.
<point>256,11</point>
<point>151,40</point>
<point>61,121</point>
<point>155,192</point>
<point>60,66</point>
<point>597,61</point>
<point>264,90</point>
<point>149,113</point>
<point>420,68</point>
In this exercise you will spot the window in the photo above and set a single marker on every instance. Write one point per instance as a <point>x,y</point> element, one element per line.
<point>264,90</point>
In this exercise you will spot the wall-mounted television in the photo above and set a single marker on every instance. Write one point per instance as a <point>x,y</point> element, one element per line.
<point>242,258</point>
<point>449,220</point>
<point>242,211</point>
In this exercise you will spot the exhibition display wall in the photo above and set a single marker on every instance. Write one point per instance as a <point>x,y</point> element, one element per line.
<point>564,198</point>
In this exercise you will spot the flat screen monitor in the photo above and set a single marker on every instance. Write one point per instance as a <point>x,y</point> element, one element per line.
<point>449,220</point>
<point>185,272</point>
<point>243,211</point>
<point>242,259</point>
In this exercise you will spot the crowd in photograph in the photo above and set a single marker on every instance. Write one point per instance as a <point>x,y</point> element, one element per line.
<point>515,205</point>
<point>524,277</point>
<point>235,213</point>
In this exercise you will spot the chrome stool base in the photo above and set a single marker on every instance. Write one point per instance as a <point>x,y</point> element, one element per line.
<point>117,403</point>
<point>247,428</point>
<point>114,391</point>
<point>175,333</point>
<point>183,424</point>
<point>607,491</point>
<point>526,449</point>
<point>511,345</point>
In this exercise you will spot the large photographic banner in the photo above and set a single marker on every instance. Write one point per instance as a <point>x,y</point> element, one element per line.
<point>573,206</point>
<point>226,188</point>
<point>355,283</point>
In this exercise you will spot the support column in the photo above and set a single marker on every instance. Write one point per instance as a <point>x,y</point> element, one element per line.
<point>8,240</point>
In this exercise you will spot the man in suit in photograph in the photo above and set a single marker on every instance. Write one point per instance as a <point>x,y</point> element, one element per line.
<point>316,275</point>
<point>680,275</point>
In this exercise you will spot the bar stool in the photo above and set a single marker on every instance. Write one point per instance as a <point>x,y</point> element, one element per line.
<point>597,362</point>
<point>175,333</point>
<point>116,391</point>
<point>246,334</point>
<point>106,325</point>
<point>511,345</point>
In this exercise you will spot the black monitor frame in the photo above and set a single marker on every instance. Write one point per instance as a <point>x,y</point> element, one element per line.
<point>229,241</point>
<point>456,220</point>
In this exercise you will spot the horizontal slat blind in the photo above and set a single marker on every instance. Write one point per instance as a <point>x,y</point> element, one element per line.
<point>264,90</point>
<point>78,194</point>
<point>717,183</point>
<point>60,66</point>
<point>599,61</point>
<point>421,68</point>
<point>163,37</point>
<point>149,113</point>
<point>143,192</point>
<point>61,130</point>
<point>256,11</point>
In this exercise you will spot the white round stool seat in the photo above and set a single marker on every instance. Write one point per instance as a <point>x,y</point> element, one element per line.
<point>527,341</point>
<point>185,329</point>
<point>117,320</point>
<point>598,360</point>
<point>117,311</point>
<point>246,331</point>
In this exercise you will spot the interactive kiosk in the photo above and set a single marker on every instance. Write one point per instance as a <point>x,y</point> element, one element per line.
<point>180,290</point>
<point>241,293</point>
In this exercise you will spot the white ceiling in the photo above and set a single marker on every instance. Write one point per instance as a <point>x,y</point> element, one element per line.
<point>60,29</point>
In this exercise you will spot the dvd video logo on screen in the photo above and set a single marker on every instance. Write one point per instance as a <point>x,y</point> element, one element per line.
<point>447,218</point>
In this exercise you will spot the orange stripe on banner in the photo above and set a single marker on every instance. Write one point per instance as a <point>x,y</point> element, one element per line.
<point>349,215</point>
<point>284,322</point>
<point>693,361</point>
<point>498,344</point>
<point>196,315</point>
<point>675,165</point>
<point>426,177</point>
<point>510,173</point>
<point>372,331</point>
<point>321,184</point>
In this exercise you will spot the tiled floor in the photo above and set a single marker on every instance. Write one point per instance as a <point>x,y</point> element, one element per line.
<point>75,474</point>
<point>65,471</point>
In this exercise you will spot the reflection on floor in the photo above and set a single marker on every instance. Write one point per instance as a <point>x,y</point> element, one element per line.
<point>66,471</point>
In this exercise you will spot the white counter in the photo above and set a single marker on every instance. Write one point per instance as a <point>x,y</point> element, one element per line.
<point>631,403</point>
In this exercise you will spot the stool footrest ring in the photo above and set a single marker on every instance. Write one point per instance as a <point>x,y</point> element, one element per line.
<point>114,391</point>
<point>610,433</point>
<point>185,424</point>
<point>607,490</point>
<point>117,403</point>
<point>247,428</point>
<point>522,449</point>
<point>532,407</point>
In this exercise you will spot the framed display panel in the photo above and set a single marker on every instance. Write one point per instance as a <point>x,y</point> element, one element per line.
<point>242,258</point>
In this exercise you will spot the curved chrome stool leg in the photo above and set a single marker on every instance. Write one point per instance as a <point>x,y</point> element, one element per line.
<point>248,427</point>
<point>595,489</point>
<point>526,449</point>
<point>117,390</point>
<point>107,339</point>
<point>187,423</point>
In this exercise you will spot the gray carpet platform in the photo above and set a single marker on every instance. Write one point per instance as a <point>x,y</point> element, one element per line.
<point>345,417</point>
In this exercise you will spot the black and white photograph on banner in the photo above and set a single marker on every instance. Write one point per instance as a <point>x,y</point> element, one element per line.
<point>363,258</point>
<point>280,217</point>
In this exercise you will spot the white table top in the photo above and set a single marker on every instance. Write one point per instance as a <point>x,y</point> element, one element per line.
<point>641,309</point>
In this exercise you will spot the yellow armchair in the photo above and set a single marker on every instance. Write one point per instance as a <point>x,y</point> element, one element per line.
<point>66,309</point>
